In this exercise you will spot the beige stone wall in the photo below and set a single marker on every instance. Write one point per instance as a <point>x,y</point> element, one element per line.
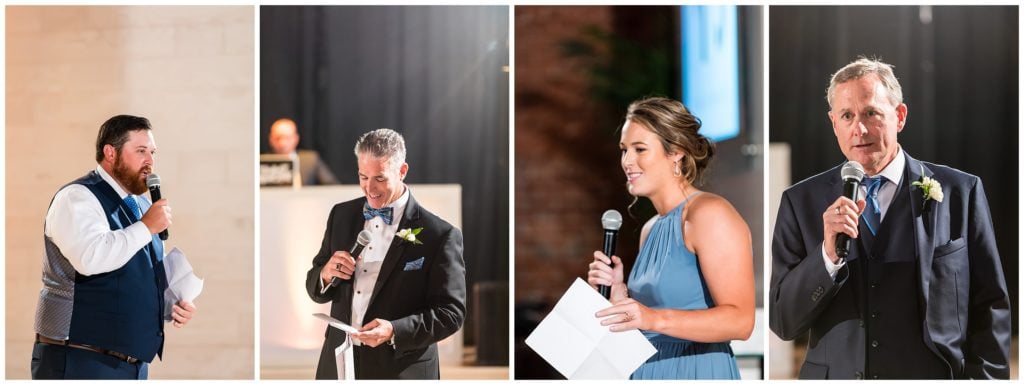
<point>190,71</point>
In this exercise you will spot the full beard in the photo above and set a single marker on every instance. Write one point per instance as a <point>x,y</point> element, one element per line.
<point>133,181</point>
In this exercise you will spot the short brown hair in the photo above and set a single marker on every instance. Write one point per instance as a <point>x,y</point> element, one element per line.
<point>115,132</point>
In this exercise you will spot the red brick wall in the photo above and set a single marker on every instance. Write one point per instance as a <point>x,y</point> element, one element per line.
<point>567,169</point>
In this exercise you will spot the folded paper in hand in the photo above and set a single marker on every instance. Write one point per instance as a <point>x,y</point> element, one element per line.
<point>343,353</point>
<point>182,283</point>
<point>336,323</point>
<point>573,341</point>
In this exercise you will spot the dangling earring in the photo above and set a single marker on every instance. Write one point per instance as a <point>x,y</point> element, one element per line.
<point>677,170</point>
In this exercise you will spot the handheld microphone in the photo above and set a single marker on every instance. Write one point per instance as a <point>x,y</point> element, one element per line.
<point>611,221</point>
<point>362,240</point>
<point>852,173</point>
<point>153,182</point>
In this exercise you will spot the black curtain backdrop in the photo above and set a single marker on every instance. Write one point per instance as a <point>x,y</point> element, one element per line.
<point>958,67</point>
<point>435,74</point>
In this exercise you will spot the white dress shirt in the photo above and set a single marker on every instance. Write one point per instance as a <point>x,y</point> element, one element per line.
<point>78,225</point>
<point>368,265</point>
<point>893,174</point>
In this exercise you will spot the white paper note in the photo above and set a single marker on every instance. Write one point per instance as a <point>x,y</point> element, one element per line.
<point>344,360</point>
<point>182,283</point>
<point>336,323</point>
<point>343,353</point>
<point>573,341</point>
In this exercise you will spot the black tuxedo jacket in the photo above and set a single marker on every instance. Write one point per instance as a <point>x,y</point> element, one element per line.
<point>424,304</point>
<point>963,297</point>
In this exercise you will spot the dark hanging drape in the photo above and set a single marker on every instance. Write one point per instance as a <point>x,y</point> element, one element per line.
<point>958,67</point>
<point>435,74</point>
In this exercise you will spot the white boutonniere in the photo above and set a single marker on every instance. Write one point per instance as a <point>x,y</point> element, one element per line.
<point>409,235</point>
<point>931,188</point>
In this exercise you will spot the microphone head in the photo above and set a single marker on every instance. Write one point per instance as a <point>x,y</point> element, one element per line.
<point>611,220</point>
<point>152,180</point>
<point>852,170</point>
<point>363,238</point>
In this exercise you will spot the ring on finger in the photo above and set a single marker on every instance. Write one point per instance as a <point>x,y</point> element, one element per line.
<point>337,266</point>
<point>837,210</point>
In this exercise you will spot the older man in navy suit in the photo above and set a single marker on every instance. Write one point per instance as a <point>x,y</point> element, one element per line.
<point>921,294</point>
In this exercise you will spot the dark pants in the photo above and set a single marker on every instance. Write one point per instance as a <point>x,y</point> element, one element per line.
<point>55,362</point>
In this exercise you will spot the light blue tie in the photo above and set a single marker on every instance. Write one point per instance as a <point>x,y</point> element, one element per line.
<point>385,213</point>
<point>134,206</point>
<point>872,211</point>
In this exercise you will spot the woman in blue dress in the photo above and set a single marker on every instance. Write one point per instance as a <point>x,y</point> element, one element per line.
<point>691,289</point>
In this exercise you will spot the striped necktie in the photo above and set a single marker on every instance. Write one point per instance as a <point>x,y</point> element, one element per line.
<point>872,211</point>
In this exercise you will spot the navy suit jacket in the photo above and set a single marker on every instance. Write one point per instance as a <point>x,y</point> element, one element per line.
<point>421,289</point>
<point>965,307</point>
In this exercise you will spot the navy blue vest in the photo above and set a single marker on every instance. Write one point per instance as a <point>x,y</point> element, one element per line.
<point>121,310</point>
<point>889,298</point>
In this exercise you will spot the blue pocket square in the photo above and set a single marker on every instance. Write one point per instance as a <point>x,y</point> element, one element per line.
<point>414,265</point>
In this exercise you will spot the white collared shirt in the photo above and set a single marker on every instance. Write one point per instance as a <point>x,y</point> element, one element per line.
<point>369,263</point>
<point>893,174</point>
<point>78,226</point>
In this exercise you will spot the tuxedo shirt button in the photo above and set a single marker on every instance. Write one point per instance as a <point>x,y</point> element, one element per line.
<point>874,343</point>
<point>874,377</point>
<point>358,292</point>
<point>874,314</point>
<point>858,375</point>
<point>874,285</point>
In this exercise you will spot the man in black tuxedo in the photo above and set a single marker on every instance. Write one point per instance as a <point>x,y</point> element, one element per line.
<point>921,294</point>
<point>403,292</point>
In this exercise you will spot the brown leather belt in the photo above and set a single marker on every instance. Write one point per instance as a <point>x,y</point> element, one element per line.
<point>120,356</point>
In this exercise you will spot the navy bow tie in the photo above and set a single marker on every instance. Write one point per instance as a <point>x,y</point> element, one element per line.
<point>383,212</point>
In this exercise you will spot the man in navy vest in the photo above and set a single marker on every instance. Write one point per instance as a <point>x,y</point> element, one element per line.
<point>405,291</point>
<point>101,310</point>
<point>921,294</point>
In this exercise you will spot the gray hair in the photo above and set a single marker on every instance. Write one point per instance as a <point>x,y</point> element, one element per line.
<point>382,143</point>
<point>863,67</point>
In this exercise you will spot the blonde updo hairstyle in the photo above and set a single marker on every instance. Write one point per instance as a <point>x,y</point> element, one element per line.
<point>678,130</point>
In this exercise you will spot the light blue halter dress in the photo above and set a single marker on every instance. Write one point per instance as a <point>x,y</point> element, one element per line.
<point>667,276</point>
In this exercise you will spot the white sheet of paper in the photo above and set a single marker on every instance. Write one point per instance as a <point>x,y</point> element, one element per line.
<point>573,341</point>
<point>182,283</point>
<point>336,323</point>
<point>344,360</point>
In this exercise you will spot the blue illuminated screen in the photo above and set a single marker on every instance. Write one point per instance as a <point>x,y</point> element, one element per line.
<point>710,73</point>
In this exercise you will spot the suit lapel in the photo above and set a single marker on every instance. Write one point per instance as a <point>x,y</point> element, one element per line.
<point>924,231</point>
<point>924,225</point>
<point>410,217</point>
<point>355,224</point>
